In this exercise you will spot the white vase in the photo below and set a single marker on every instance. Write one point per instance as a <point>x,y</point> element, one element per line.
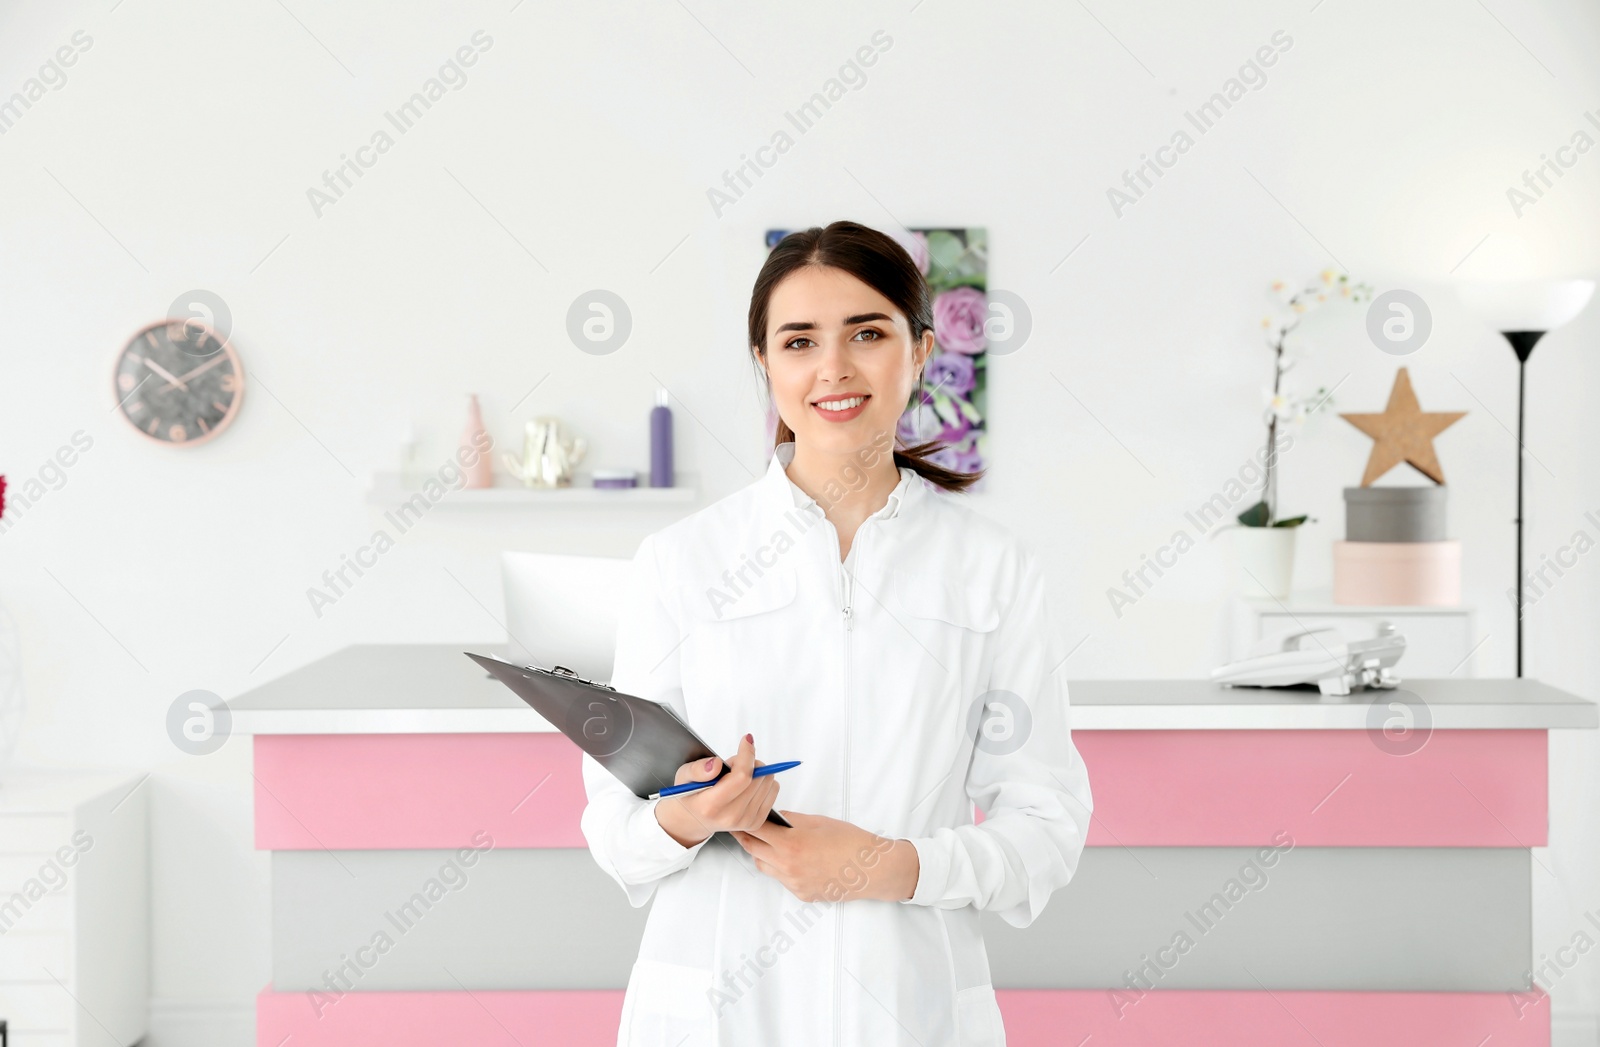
<point>1264,560</point>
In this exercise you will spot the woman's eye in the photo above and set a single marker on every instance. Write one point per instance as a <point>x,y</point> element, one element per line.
<point>866,334</point>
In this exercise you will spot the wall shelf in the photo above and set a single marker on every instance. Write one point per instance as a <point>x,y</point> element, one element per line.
<point>386,490</point>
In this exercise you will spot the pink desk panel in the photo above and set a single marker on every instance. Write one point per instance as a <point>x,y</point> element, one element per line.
<point>1463,788</point>
<point>1033,1018</point>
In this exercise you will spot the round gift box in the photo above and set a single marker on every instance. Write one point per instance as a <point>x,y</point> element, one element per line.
<point>1395,514</point>
<point>1397,574</point>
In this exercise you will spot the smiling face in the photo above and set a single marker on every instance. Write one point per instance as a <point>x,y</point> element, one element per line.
<point>840,359</point>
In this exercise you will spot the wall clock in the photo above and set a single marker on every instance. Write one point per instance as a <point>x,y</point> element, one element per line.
<point>178,382</point>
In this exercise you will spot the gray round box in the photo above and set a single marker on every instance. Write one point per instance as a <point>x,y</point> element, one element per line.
<point>1394,514</point>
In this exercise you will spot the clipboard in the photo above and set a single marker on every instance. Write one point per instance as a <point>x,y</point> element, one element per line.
<point>640,741</point>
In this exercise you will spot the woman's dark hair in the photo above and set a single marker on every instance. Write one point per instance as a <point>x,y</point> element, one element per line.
<point>877,260</point>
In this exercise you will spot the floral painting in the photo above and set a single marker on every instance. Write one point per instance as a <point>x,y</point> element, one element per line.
<point>951,406</point>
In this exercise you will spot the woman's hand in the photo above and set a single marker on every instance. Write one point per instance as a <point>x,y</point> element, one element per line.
<point>825,858</point>
<point>738,801</point>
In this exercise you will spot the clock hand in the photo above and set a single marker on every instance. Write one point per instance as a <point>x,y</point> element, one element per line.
<point>163,372</point>
<point>214,361</point>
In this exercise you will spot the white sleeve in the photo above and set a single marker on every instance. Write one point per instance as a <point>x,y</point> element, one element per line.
<point>621,829</point>
<point>1035,800</point>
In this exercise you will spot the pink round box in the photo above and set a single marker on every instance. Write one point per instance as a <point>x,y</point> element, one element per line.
<point>1397,574</point>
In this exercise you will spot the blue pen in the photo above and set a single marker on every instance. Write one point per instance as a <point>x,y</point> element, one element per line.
<point>771,768</point>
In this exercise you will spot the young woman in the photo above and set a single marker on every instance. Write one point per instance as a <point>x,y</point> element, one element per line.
<point>845,610</point>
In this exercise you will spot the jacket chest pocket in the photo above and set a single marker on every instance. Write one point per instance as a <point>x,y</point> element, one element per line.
<point>956,603</point>
<point>951,622</point>
<point>715,605</point>
<point>736,639</point>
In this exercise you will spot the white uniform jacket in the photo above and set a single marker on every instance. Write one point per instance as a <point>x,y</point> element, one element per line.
<point>874,673</point>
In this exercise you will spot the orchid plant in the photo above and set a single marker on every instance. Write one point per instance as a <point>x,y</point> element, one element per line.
<point>1290,348</point>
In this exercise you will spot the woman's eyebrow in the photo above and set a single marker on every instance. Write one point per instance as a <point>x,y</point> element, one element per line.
<point>807,325</point>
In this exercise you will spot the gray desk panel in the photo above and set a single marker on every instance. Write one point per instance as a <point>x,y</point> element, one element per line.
<point>427,688</point>
<point>518,919</point>
<point>1357,918</point>
<point>1443,919</point>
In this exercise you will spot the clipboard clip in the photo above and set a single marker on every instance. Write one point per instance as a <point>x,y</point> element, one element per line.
<point>568,674</point>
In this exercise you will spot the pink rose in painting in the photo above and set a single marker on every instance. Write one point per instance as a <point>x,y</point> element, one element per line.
<point>919,252</point>
<point>958,318</point>
<point>916,245</point>
<point>952,372</point>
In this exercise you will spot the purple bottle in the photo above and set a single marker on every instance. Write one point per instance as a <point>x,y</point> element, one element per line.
<point>661,442</point>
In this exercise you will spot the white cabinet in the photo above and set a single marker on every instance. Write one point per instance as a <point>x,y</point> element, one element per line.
<point>1439,640</point>
<point>74,908</point>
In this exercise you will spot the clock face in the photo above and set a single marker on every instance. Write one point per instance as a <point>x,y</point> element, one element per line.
<point>178,382</point>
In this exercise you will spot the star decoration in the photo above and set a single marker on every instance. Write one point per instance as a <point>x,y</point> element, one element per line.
<point>1404,432</point>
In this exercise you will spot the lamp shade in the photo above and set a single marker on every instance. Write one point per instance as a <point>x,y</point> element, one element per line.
<point>1526,305</point>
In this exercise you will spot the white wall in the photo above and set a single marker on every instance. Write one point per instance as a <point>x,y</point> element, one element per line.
<point>578,154</point>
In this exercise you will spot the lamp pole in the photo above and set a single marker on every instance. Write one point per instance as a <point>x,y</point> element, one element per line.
<point>1523,312</point>
<point>1522,343</point>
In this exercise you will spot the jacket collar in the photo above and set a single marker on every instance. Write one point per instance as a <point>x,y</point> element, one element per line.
<point>784,495</point>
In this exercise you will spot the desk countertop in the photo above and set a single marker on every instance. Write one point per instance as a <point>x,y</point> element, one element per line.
<point>436,689</point>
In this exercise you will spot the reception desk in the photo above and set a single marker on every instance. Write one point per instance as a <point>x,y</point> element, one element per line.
<point>1264,867</point>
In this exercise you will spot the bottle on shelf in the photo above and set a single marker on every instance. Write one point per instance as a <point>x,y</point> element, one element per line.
<point>475,449</point>
<point>661,442</point>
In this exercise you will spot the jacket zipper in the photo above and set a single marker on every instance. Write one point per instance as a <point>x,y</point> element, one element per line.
<point>847,613</point>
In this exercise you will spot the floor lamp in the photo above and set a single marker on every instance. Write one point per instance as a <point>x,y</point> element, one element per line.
<point>1524,312</point>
